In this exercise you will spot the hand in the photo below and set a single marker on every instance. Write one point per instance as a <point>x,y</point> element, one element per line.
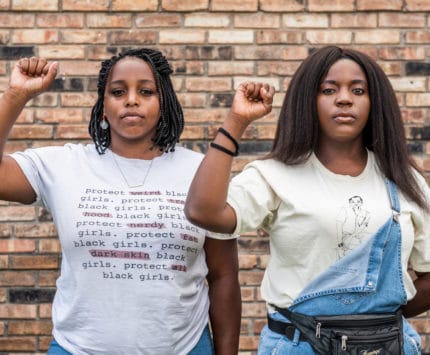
<point>252,101</point>
<point>32,76</point>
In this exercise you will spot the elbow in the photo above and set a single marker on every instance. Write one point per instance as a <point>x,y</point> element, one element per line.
<point>193,215</point>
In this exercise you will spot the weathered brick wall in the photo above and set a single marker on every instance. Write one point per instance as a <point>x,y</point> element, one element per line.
<point>213,45</point>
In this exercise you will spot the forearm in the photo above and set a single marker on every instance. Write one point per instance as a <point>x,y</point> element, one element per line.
<point>206,201</point>
<point>225,314</point>
<point>11,106</point>
<point>421,302</point>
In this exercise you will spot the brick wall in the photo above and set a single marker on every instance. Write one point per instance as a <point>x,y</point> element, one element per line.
<point>213,45</point>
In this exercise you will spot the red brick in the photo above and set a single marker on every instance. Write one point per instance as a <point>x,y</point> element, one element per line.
<point>5,4</point>
<point>248,294</point>
<point>248,342</point>
<point>30,327</point>
<point>34,5</point>
<point>332,6</point>
<point>281,5</point>
<point>35,230</point>
<point>402,20</point>
<point>367,5</point>
<point>377,37</point>
<point>73,132</point>
<point>17,246</point>
<point>329,37</point>
<point>158,20</point>
<point>16,20</point>
<point>247,261</point>
<point>35,36</point>
<point>83,36</point>
<point>31,132</point>
<point>404,53</point>
<point>234,5</point>
<point>45,310</point>
<point>85,5</point>
<point>230,68</point>
<point>133,37</point>
<point>361,20</point>
<point>17,311</point>
<point>192,99</point>
<point>273,37</point>
<point>17,213</point>
<point>417,37</point>
<point>49,246</point>
<point>78,68</point>
<point>34,262</point>
<point>208,84</point>
<point>257,20</point>
<point>184,5</point>
<point>182,36</point>
<point>135,5</point>
<point>18,344</point>
<point>47,278</point>
<point>418,5</point>
<point>60,20</point>
<point>207,20</point>
<point>62,52</point>
<point>250,278</point>
<point>108,20</point>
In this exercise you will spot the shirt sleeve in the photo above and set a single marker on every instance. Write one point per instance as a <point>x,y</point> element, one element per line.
<point>27,161</point>
<point>253,200</point>
<point>420,254</point>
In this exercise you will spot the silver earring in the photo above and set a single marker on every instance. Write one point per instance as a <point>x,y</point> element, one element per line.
<point>104,124</point>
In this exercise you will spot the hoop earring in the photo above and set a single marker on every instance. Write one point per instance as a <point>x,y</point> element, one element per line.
<point>104,124</point>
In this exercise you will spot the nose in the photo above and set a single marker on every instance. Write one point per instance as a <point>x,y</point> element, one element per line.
<point>343,97</point>
<point>132,99</point>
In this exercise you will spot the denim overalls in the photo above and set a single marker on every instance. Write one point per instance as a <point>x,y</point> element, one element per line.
<point>367,280</point>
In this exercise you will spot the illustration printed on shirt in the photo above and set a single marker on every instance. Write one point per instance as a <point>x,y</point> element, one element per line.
<point>351,225</point>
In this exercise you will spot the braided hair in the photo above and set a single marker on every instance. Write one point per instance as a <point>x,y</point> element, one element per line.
<point>171,122</point>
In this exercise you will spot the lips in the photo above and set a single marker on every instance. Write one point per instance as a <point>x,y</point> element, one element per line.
<point>132,115</point>
<point>344,117</point>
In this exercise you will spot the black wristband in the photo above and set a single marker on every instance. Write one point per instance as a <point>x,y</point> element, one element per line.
<point>229,136</point>
<point>225,150</point>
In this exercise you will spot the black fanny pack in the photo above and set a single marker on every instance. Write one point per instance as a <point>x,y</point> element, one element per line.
<point>354,334</point>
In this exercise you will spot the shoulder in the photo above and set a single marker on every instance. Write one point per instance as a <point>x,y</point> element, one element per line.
<point>182,155</point>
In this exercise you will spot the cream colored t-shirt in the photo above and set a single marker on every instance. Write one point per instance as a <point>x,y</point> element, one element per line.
<point>315,217</point>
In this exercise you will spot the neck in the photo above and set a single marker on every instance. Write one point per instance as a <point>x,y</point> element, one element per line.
<point>138,151</point>
<point>349,160</point>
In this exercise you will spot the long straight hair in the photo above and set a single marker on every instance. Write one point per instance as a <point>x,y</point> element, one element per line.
<point>297,131</point>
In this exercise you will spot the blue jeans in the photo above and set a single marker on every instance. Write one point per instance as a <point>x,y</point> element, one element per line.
<point>203,347</point>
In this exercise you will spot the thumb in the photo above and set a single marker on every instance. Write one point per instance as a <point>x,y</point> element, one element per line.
<point>51,74</point>
<point>267,92</point>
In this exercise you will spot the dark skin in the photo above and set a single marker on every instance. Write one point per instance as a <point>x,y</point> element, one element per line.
<point>421,302</point>
<point>33,76</point>
<point>342,153</point>
<point>224,294</point>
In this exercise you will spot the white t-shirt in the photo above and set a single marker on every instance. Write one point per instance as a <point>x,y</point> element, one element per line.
<point>133,268</point>
<point>315,217</point>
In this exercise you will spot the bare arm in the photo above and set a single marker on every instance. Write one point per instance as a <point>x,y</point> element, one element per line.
<point>421,302</point>
<point>206,202</point>
<point>224,294</point>
<point>29,78</point>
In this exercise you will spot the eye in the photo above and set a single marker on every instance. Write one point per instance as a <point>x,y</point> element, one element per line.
<point>117,92</point>
<point>327,91</point>
<point>358,91</point>
<point>147,92</point>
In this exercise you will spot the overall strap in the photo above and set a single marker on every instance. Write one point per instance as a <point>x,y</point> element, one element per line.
<point>394,198</point>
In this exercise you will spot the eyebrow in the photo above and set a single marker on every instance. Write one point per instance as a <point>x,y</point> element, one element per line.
<point>355,81</point>
<point>145,81</point>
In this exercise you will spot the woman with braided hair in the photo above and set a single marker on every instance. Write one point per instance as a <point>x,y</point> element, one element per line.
<point>136,276</point>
